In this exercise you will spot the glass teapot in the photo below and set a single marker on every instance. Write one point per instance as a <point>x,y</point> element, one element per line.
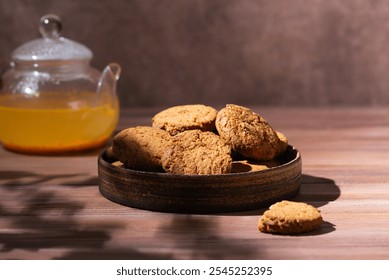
<point>52,100</point>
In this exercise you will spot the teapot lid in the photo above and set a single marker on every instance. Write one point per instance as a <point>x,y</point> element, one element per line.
<point>51,46</point>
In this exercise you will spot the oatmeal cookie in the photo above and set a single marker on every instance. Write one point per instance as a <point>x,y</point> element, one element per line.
<point>197,152</point>
<point>141,147</point>
<point>287,217</point>
<point>247,132</point>
<point>185,117</point>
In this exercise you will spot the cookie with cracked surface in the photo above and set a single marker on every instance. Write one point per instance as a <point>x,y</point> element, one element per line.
<point>197,152</point>
<point>186,117</point>
<point>141,147</point>
<point>247,132</point>
<point>288,217</point>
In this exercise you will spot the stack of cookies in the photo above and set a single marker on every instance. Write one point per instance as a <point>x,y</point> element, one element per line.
<point>198,139</point>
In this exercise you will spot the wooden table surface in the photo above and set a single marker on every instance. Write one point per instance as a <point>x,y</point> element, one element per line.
<point>51,208</point>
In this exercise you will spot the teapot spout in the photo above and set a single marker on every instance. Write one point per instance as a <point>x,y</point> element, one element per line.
<point>106,87</point>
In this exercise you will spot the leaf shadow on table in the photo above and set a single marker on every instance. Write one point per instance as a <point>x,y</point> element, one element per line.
<point>24,178</point>
<point>44,219</point>
<point>199,237</point>
<point>48,222</point>
<point>183,236</point>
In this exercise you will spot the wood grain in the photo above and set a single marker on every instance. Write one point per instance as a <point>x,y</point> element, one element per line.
<point>51,207</point>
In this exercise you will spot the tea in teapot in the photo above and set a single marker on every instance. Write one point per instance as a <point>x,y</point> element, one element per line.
<point>52,100</point>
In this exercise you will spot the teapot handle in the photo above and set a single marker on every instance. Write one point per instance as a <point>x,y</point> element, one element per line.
<point>108,81</point>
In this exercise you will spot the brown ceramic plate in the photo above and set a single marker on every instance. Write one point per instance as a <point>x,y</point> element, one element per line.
<point>200,193</point>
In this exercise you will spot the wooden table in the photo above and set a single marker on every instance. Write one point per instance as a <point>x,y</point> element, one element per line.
<point>51,208</point>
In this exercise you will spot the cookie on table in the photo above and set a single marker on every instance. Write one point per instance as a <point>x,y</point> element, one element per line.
<point>288,217</point>
<point>186,117</point>
<point>141,147</point>
<point>197,152</point>
<point>247,132</point>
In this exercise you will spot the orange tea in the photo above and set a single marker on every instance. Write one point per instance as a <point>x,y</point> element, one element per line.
<point>52,123</point>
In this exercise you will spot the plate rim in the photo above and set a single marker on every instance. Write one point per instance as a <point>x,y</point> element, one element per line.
<point>102,160</point>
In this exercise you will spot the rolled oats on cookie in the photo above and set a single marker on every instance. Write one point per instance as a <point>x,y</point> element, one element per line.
<point>141,147</point>
<point>197,152</point>
<point>247,132</point>
<point>186,117</point>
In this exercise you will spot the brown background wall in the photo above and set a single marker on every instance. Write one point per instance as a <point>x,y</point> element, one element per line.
<point>279,52</point>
